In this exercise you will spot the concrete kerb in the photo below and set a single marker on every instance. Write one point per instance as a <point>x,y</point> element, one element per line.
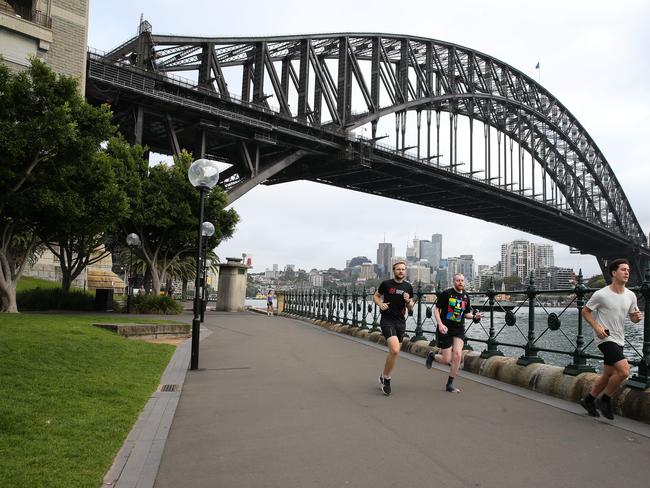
<point>542,378</point>
<point>137,462</point>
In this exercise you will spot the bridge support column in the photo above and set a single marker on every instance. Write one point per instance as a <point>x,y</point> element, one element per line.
<point>231,293</point>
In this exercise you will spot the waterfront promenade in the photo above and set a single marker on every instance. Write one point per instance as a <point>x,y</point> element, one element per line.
<point>282,403</point>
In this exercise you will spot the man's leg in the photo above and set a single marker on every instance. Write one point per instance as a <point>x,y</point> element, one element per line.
<point>621,372</point>
<point>456,356</point>
<point>393,351</point>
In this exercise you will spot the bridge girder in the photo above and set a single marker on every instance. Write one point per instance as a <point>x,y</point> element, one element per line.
<point>380,75</point>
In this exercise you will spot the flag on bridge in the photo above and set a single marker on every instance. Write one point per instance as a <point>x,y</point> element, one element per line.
<point>537,65</point>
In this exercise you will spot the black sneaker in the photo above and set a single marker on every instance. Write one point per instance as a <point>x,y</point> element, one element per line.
<point>385,385</point>
<point>430,358</point>
<point>590,407</point>
<point>605,408</point>
<point>451,388</point>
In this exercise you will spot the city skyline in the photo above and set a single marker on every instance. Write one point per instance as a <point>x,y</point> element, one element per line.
<point>313,224</point>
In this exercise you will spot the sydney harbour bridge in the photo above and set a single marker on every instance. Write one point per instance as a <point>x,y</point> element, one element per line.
<point>408,118</point>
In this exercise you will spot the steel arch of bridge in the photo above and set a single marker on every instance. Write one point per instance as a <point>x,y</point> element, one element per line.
<point>326,75</point>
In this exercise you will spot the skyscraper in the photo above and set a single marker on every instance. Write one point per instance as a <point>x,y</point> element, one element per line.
<point>436,243</point>
<point>427,253</point>
<point>384,255</point>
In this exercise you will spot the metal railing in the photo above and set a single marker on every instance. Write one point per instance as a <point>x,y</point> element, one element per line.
<point>354,307</point>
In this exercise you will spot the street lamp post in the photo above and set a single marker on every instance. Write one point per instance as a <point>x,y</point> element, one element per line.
<point>132,240</point>
<point>206,264</point>
<point>203,175</point>
<point>207,230</point>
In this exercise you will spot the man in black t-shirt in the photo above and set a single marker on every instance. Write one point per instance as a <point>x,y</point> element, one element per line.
<point>451,310</point>
<point>393,297</point>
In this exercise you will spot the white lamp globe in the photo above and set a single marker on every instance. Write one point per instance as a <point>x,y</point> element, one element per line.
<point>203,173</point>
<point>133,239</point>
<point>207,229</point>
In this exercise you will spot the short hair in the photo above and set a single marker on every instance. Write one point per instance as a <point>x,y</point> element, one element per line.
<point>459,274</point>
<point>613,266</point>
<point>398,262</point>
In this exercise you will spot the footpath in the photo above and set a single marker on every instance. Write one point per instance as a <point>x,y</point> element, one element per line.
<point>278,402</point>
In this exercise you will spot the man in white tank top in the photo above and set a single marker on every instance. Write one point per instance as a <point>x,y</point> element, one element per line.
<point>605,312</point>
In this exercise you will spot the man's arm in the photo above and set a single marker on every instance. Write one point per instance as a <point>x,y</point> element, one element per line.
<point>436,313</point>
<point>379,301</point>
<point>599,330</point>
<point>635,314</point>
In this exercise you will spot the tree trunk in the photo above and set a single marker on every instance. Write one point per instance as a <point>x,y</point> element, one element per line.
<point>184,289</point>
<point>8,292</point>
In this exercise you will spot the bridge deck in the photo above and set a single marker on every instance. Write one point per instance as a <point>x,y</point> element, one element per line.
<point>281,403</point>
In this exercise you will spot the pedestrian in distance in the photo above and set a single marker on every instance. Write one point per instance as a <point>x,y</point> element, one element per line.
<point>451,309</point>
<point>269,303</point>
<point>605,312</point>
<point>393,297</point>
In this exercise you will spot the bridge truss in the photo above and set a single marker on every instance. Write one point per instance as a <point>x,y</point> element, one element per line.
<point>523,161</point>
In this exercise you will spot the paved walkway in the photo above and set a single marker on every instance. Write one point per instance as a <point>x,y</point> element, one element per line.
<point>282,403</point>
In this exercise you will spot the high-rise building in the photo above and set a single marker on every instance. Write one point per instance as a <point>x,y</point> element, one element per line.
<point>542,256</point>
<point>367,272</point>
<point>413,251</point>
<point>427,253</point>
<point>436,242</point>
<point>418,272</point>
<point>516,259</point>
<point>466,267</point>
<point>522,257</point>
<point>553,278</point>
<point>384,255</point>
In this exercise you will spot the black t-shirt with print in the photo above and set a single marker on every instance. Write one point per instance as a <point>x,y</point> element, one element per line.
<point>393,294</point>
<point>453,306</point>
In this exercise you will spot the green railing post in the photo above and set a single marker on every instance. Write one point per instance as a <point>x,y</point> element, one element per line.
<point>579,364</point>
<point>641,380</point>
<point>345,306</point>
<point>338,308</point>
<point>434,341</point>
<point>419,336</point>
<point>375,323</point>
<point>530,352</point>
<point>492,349</point>
<point>354,306</point>
<point>330,301</point>
<point>364,322</point>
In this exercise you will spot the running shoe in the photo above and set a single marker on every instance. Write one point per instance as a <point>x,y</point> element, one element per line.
<point>385,385</point>
<point>590,407</point>
<point>451,388</point>
<point>605,408</point>
<point>430,358</point>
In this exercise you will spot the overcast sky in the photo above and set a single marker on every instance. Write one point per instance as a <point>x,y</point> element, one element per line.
<point>593,57</point>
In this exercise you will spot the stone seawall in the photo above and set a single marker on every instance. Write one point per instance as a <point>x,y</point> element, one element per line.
<point>542,378</point>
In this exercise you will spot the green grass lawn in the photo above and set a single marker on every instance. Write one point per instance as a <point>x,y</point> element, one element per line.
<point>28,283</point>
<point>70,394</point>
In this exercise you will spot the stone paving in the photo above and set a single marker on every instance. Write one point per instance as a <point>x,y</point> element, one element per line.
<point>279,402</point>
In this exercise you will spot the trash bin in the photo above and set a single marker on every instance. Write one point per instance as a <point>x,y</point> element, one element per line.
<point>103,299</point>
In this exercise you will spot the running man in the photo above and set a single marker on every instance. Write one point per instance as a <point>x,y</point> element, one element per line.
<point>450,312</point>
<point>393,297</point>
<point>605,312</point>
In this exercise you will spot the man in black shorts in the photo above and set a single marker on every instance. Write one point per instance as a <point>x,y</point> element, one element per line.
<point>393,297</point>
<point>450,312</point>
<point>605,312</point>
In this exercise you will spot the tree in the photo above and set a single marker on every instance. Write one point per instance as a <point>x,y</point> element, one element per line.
<point>82,205</point>
<point>43,117</point>
<point>165,215</point>
<point>358,261</point>
<point>596,281</point>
